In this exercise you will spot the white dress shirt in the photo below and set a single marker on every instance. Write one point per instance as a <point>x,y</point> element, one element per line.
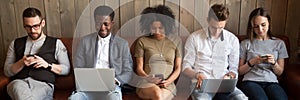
<point>103,52</point>
<point>214,58</point>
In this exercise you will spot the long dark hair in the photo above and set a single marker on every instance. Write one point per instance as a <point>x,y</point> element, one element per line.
<point>258,12</point>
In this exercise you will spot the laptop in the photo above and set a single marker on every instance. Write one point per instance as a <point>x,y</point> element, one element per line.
<point>94,79</point>
<point>218,85</point>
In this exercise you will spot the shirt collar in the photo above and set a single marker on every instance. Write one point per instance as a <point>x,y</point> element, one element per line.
<point>106,39</point>
<point>209,36</point>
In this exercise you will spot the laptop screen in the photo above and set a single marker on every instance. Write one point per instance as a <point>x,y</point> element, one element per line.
<point>218,85</point>
<point>94,79</point>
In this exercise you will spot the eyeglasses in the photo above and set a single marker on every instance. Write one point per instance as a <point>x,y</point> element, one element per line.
<point>35,27</point>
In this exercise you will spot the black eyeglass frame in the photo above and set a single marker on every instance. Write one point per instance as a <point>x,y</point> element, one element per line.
<point>35,27</point>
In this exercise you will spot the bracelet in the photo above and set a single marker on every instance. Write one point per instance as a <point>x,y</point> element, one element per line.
<point>250,64</point>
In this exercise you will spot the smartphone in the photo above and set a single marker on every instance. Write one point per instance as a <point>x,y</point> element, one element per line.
<point>159,76</point>
<point>264,56</point>
<point>30,55</point>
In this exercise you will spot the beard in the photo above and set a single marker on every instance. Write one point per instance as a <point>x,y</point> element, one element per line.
<point>103,34</point>
<point>35,37</point>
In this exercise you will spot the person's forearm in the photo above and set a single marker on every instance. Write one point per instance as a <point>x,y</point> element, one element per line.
<point>17,67</point>
<point>56,69</point>
<point>189,72</point>
<point>176,71</point>
<point>244,66</point>
<point>278,67</point>
<point>174,75</point>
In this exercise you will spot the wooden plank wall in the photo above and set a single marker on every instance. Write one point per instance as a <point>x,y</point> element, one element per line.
<point>63,16</point>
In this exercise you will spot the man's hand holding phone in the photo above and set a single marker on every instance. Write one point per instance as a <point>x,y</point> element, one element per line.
<point>29,60</point>
<point>36,61</point>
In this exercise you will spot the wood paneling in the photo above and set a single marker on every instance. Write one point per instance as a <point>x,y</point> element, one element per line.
<point>80,6</point>
<point>233,21</point>
<point>156,2</point>
<point>8,26</point>
<point>201,12</point>
<point>19,7</point>
<point>67,17</point>
<point>186,18</point>
<point>267,4</point>
<point>278,16</point>
<point>246,7</point>
<point>127,20</point>
<point>212,2</point>
<point>62,17</point>
<point>292,28</point>
<point>53,22</point>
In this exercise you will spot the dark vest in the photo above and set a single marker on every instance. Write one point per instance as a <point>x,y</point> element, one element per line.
<point>47,52</point>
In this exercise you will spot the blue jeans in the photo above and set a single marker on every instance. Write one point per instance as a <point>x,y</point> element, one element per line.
<point>237,94</point>
<point>109,95</point>
<point>263,91</point>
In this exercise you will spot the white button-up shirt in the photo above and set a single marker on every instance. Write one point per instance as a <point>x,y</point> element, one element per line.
<point>103,52</point>
<point>214,58</point>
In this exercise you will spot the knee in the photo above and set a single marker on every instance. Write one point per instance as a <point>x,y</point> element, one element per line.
<point>13,85</point>
<point>157,95</point>
<point>239,97</point>
<point>115,95</point>
<point>78,96</point>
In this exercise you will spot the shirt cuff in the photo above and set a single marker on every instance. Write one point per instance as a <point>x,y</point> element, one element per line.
<point>117,82</point>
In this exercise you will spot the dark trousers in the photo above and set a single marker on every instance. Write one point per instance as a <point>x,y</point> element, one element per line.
<point>263,91</point>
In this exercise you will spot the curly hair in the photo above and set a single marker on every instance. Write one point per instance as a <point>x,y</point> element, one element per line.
<point>159,13</point>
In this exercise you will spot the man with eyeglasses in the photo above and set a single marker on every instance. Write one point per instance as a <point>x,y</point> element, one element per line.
<point>103,49</point>
<point>34,60</point>
<point>213,53</point>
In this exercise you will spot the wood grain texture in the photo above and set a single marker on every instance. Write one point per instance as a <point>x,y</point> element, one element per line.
<point>53,21</point>
<point>292,29</point>
<point>67,17</point>
<point>246,7</point>
<point>63,16</point>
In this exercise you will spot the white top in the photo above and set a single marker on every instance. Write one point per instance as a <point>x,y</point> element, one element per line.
<point>103,52</point>
<point>214,58</point>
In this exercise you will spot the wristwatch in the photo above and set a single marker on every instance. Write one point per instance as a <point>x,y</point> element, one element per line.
<point>49,67</point>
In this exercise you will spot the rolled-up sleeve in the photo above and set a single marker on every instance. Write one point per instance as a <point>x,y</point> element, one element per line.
<point>10,60</point>
<point>62,57</point>
<point>190,53</point>
<point>234,56</point>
